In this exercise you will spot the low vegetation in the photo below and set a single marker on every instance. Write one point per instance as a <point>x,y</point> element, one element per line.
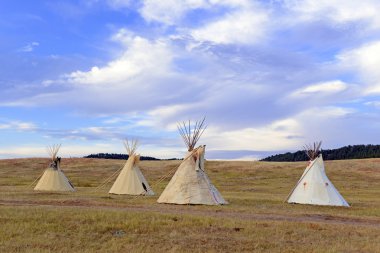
<point>347,152</point>
<point>119,156</point>
<point>257,219</point>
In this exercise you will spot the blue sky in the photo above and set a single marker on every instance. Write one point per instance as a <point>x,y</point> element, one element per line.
<point>269,76</point>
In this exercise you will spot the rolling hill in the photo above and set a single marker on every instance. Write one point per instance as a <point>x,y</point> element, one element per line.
<point>347,152</point>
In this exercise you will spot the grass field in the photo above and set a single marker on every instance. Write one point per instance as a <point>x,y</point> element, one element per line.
<point>90,220</point>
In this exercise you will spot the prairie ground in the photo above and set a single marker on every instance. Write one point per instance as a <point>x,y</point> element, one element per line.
<point>256,220</point>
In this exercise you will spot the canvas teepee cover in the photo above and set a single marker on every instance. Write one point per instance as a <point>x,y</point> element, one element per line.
<point>53,178</point>
<point>314,187</point>
<point>190,184</point>
<point>130,180</point>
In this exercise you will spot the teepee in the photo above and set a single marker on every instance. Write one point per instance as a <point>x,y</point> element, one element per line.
<point>314,187</point>
<point>130,180</point>
<point>190,184</point>
<point>53,178</point>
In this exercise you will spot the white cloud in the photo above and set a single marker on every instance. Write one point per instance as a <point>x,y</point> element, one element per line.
<point>373,103</point>
<point>243,21</point>
<point>70,150</point>
<point>255,96</point>
<point>232,3</point>
<point>142,78</point>
<point>326,112</point>
<point>364,61</point>
<point>155,116</point>
<point>17,125</point>
<point>29,151</point>
<point>241,27</point>
<point>280,134</point>
<point>113,120</point>
<point>34,101</point>
<point>142,57</point>
<point>169,11</point>
<point>244,158</point>
<point>333,125</point>
<point>330,87</point>
<point>29,47</point>
<point>290,133</point>
<point>338,11</point>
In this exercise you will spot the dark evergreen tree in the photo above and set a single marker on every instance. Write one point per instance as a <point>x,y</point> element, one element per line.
<point>117,156</point>
<point>347,152</point>
<point>123,157</point>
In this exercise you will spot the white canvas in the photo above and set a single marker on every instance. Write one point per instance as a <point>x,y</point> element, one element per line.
<point>190,184</point>
<point>315,188</point>
<point>54,180</point>
<point>130,180</point>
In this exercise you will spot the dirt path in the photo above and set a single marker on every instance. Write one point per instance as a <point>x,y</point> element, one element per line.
<point>185,210</point>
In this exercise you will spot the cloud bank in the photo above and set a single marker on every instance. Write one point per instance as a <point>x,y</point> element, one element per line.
<point>268,76</point>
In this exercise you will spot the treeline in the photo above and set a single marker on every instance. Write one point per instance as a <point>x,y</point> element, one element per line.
<point>347,152</point>
<point>119,156</point>
<point>125,157</point>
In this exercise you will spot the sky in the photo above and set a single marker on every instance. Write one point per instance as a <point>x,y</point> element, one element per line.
<point>269,76</point>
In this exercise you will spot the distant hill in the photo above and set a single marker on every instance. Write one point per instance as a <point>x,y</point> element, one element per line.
<point>119,156</point>
<point>123,157</point>
<point>347,152</point>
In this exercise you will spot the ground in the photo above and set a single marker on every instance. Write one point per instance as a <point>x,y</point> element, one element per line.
<point>257,219</point>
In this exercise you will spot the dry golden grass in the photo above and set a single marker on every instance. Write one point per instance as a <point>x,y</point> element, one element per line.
<point>255,220</point>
